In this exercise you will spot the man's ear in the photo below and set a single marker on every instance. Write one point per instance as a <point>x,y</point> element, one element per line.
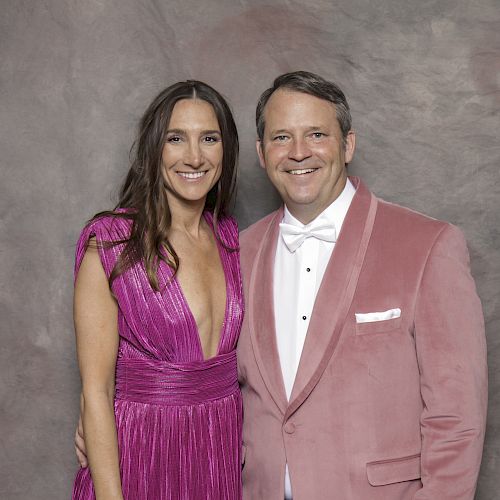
<point>260,153</point>
<point>350,146</point>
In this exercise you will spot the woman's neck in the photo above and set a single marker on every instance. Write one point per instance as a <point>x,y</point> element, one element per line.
<point>186,216</point>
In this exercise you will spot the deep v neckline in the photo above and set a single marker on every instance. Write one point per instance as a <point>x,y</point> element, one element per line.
<point>189,313</point>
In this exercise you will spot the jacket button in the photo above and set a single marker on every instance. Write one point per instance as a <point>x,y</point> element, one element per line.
<point>289,428</point>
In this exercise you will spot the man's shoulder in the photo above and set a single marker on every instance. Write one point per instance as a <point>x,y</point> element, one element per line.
<point>409,227</point>
<point>398,218</point>
<point>408,216</point>
<point>251,237</point>
<point>257,229</point>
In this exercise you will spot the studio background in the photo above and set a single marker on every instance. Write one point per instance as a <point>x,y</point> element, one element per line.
<point>422,78</point>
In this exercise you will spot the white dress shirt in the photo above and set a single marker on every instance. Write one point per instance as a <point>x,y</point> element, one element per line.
<point>297,278</point>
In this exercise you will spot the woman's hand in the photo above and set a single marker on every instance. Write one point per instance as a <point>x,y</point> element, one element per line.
<point>80,449</point>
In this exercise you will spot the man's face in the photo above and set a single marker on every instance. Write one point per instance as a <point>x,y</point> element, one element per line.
<point>303,152</point>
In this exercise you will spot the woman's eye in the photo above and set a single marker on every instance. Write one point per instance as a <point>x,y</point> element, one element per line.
<point>211,138</point>
<point>174,138</point>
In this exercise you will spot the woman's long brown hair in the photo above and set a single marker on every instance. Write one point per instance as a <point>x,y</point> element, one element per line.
<point>143,192</point>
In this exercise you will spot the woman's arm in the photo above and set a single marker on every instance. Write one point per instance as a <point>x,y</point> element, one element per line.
<point>95,314</point>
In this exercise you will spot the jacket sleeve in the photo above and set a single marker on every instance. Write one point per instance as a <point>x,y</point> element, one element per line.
<point>451,352</point>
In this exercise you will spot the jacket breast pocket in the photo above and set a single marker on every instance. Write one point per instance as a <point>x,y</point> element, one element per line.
<point>384,326</point>
<point>395,470</point>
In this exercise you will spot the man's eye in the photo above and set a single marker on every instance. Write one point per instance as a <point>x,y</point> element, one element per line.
<point>281,138</point>
<point>174,139</point>
<point>318,135</point>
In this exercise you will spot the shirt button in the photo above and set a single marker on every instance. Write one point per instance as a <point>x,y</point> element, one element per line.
<point>308,269</point>
<point>304,317</point>
<point>289,428</point>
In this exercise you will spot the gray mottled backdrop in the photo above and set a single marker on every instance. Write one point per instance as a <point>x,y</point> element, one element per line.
<point>75,75</point>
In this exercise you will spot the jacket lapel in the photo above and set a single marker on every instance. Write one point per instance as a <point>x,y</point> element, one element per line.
<point>260,303</point>
<point>335,295</point>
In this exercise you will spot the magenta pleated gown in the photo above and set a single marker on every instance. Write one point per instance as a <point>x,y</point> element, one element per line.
<point>178,416</point>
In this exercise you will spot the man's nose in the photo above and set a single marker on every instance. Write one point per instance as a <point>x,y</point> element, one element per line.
<point>299,150</point>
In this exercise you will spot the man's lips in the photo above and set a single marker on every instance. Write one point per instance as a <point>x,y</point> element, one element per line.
<point>301,171</point>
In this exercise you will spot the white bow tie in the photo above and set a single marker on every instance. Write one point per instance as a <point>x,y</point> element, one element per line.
<point>294,236</point>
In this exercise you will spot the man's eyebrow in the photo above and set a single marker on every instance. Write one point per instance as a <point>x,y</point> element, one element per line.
<point>279,131</point>
<point>307,129</point>
<point>314,127</point>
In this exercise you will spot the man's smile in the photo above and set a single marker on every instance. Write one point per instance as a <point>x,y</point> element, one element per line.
<point>302,171</point>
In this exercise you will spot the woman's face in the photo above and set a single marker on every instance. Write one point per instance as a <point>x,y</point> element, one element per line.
<point>192,154</point>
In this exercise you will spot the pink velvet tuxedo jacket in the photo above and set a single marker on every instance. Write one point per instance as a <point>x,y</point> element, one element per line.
<point>383,410</point>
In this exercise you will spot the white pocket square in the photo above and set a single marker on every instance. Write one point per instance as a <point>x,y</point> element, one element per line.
<point>378,316</point>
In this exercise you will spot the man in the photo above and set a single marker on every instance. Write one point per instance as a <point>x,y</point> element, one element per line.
<point>362,356</point>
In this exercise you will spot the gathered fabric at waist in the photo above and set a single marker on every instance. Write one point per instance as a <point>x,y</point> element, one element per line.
<point>161,382</point>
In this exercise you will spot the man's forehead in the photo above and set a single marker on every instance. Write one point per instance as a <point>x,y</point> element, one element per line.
<point>288,107</point>
<point>293,94</point>
<point>283,100</point>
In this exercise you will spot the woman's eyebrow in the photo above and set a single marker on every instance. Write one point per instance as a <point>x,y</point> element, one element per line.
<point>183,132</point>
<point>214,131</point>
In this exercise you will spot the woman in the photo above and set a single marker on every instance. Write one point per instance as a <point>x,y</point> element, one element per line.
<point>158,309</point>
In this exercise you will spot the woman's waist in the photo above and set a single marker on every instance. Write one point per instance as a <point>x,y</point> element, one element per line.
<point>161,382</point>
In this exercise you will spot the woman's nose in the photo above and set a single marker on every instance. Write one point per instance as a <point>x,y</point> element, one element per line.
<point>194,157</point>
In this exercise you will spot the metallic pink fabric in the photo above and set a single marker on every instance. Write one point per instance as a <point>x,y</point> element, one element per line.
<point>178,416</point>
